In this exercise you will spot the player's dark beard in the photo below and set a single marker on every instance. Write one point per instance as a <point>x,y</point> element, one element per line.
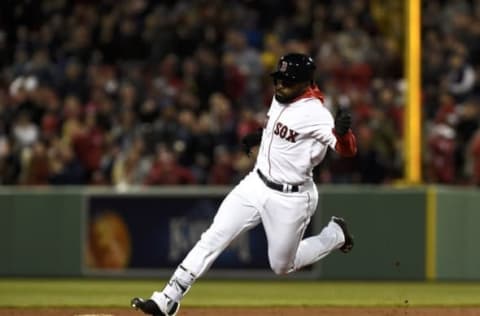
<point>295,91</point>
<point>285,99</point>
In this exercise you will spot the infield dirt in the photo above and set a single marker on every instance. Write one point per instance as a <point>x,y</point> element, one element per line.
<point>251,311</point>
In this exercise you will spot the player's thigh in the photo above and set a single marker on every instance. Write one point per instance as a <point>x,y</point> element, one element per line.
<point>234,216</point>
<point>285,218</point>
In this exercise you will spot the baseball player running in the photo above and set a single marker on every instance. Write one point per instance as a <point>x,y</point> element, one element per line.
<point>279,192</point>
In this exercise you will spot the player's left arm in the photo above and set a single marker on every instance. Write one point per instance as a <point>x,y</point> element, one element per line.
<point>335,132</point>
<point>346,142</point>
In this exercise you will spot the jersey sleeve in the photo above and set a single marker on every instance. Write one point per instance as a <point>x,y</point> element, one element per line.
<point>322,125</point>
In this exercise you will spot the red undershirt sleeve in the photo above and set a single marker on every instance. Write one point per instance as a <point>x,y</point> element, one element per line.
<point>346,145</point>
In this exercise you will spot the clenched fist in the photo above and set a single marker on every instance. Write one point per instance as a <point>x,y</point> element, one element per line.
<point>343,122</point>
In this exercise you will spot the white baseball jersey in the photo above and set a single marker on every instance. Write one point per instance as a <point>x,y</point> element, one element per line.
<point>295,140</point>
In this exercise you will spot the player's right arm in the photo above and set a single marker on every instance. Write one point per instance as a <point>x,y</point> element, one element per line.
<point>251,141</point>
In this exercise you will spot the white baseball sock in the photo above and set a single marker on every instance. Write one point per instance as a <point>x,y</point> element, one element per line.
<point>179,284</point>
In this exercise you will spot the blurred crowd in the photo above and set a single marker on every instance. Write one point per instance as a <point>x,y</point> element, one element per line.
<point>451,91</point>
<point>144,92</point>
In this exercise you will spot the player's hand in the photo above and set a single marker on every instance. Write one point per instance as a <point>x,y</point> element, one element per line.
<point>343,122</point>
<point>251,140</point>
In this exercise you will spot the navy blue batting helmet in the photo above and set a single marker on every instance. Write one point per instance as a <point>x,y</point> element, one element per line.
<point>295,67</point>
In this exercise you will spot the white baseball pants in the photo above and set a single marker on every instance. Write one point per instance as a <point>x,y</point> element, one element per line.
<point>285,217</point>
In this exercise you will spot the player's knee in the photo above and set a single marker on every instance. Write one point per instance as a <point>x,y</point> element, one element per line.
<point>280,268</point>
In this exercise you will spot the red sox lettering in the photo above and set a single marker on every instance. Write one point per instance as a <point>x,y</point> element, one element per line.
<point>282,129</point>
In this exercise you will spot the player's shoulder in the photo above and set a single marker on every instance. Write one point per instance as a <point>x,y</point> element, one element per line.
<point>316,110</point>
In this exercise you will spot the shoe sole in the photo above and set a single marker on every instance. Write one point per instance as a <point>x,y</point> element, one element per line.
<point>139,304</point>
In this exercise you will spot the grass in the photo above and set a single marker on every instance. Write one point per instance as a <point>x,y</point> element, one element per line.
<point>117,293</point>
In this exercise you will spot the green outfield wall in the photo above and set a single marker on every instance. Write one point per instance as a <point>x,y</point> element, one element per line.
<point>40,232</point>
<point>457,238</point>
<point>389,229</point>
<point>421,233</point>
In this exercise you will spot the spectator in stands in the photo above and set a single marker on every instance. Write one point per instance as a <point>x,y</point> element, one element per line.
<point>65,168</point>
<point>141,66</point>
<point>167,171</point>
<point>37,170</point>
<point>473,157</point>
<point>222,171</point>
